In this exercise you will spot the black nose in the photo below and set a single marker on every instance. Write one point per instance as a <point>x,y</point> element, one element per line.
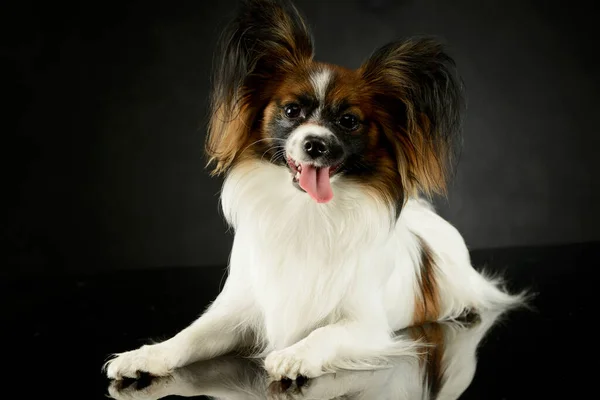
<point>315,147</point>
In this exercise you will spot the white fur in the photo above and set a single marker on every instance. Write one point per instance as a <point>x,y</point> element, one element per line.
<point>320,80</point>
<point>320,287</point>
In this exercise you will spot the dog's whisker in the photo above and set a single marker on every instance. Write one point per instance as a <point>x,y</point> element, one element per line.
<point>260,141</point>
<point>277,153</point>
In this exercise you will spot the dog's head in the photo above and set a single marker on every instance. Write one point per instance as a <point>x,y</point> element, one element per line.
<point>390,126</point>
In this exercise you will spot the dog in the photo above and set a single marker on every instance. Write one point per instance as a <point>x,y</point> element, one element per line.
<point>328,179</point>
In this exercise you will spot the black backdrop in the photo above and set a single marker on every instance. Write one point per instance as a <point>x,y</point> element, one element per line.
<point>105,103</point>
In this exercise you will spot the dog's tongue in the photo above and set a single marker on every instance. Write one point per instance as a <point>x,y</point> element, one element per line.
<point>315,181</point>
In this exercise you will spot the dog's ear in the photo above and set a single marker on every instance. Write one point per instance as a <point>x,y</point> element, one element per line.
<point>266,40</point>
<point>419,98</point>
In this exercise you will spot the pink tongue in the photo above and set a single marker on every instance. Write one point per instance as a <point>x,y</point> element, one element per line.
<point>315,181</point>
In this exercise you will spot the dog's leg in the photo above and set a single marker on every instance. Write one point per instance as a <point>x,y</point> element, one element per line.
<point>219,330</point>
<point>361,342</point>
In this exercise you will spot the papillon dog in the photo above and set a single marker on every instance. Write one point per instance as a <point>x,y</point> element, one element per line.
<point>328,173</point>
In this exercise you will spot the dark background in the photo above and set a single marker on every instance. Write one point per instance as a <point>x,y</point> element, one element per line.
<point>105,104</point>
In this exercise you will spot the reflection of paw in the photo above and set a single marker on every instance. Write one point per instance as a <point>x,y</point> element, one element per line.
<point>287,389</point>
<point>153,359</point>
<point>144,388</point>
<point>294,361</point>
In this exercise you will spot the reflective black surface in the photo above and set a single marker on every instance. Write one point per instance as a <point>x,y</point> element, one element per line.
<point>58,330</point>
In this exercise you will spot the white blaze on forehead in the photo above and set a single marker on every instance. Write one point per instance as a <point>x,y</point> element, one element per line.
<point>320,80</point>
<point>310,129</point>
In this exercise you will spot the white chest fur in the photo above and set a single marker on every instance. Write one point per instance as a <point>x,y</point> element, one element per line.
<point>303,262</point>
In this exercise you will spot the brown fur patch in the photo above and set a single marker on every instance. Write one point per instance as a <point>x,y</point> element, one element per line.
<point>415,86</point>
<point>228,135</point>
<point>384,182</point>
<point>432,355</point>
<point>427,302</point>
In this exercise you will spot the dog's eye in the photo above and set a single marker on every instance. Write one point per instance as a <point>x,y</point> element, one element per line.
<point>348,122</point>
<point>292,110</point>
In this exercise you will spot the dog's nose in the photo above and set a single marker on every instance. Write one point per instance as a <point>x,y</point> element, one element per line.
<point>315,147</point>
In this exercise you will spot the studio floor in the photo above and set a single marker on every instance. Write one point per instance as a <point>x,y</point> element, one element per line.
<point>59,330</point>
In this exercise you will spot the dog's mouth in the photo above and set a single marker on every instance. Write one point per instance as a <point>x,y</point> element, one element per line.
<point>314,180</point>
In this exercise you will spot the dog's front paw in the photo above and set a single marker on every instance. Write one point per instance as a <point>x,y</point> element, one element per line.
<point>156,360</point>
<point>293,362</point>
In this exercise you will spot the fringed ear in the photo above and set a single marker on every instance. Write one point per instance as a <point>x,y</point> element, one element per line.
<point>419,97</point>
<point>267,39</point>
